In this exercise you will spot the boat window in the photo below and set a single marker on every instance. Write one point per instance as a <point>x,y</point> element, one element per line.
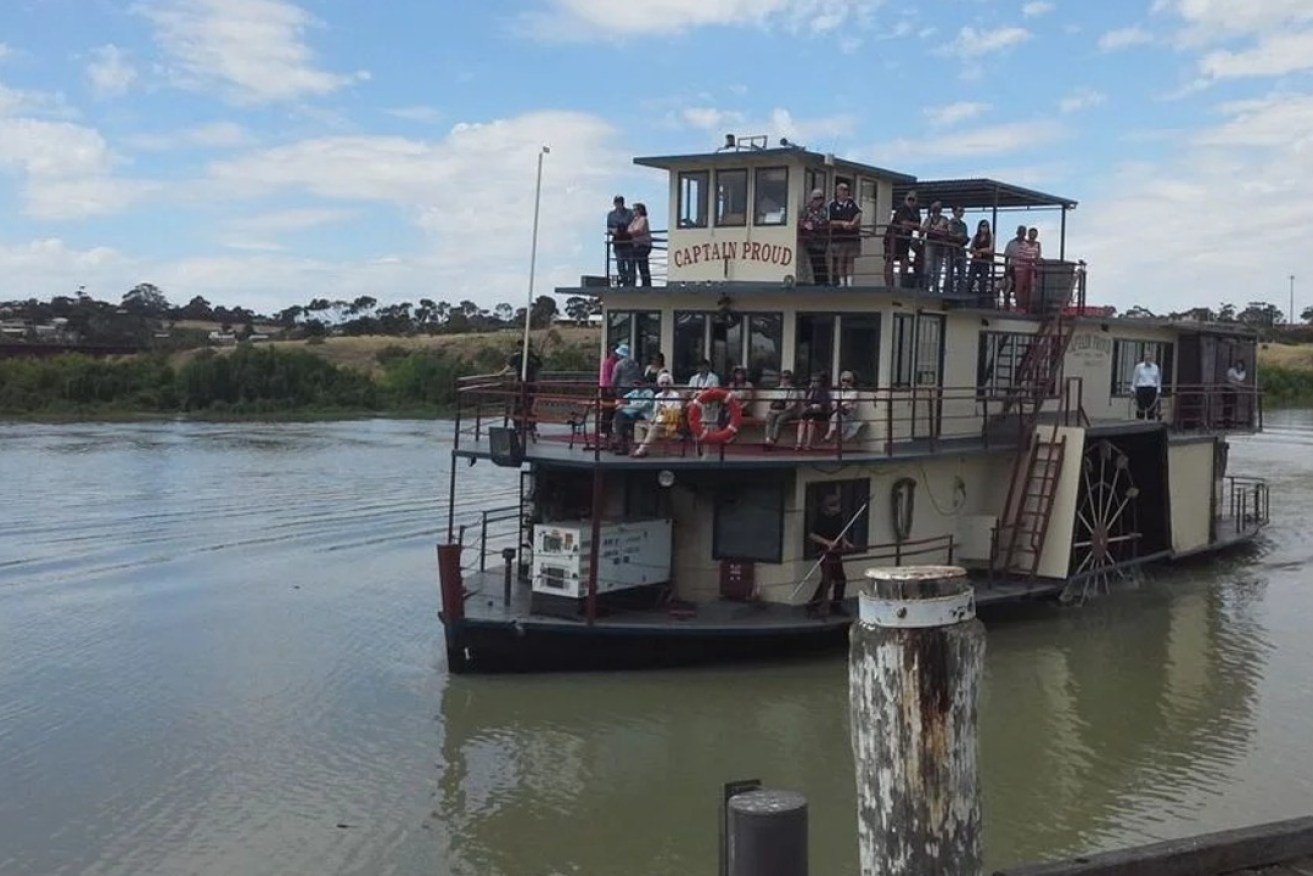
<point>918,349</point>
<point>813,350</point>
<point>693,187</point>
<point>641,330</point>
<point>731,198</point>
<point>817,179</point>
<point>998,361</point>
<point>690,343</point>
<point>866,199</point>
<point>859,347</point>
<point>749,521</point>
<point>764,356</point>
<point>771,196</point>
<point>854,498</point>
<point>1127,354</point>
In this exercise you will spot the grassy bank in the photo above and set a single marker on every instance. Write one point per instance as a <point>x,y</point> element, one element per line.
<point>294,380</point>
<point>1285,373</point>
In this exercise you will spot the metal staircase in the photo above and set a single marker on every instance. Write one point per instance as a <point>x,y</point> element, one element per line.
<point>1037,465</point>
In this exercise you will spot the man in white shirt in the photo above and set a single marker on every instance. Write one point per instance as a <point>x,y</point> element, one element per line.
<point>1147,383</point>
<point>1235,383</point>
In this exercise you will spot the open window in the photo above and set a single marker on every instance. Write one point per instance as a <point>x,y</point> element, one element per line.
<point>731,198</point>
<point>693,190</point>
<point>771,196</point>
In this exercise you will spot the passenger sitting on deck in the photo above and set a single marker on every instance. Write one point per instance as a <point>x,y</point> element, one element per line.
<point>667,415</point>
<point>785,405</point>
<point>845,410</point>
<point>637,406</point>
<point>816,409</point>
<point>741,388</point>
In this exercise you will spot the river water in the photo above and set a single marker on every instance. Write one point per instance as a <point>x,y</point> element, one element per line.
<point>219,654</point>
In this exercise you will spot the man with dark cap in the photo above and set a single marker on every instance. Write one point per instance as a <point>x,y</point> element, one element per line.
<point>617,229</point>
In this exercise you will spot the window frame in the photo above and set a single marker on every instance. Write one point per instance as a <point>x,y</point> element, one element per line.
<point>991,388</point>
<point>757,219</point>
<point>898,379</point>
<point>1164,355</point>
<point>853,493</point>
<point>633,334</point>
<point>703,214</point>
<point>864,381</point>
<point>718,215</point>
<point>738,489</point>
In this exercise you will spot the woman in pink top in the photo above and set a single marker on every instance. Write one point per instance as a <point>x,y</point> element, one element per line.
<point>640,233</point>
<point>605,393</point>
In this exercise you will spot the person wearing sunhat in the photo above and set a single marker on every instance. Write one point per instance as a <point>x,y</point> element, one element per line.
<point>814,233</point>
<point>627,372</point>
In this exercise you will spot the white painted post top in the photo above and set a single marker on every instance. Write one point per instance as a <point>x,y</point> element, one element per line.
<point>916,597</point>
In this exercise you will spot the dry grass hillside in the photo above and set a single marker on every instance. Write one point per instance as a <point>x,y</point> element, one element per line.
<point>361,353</point>
<point>1296,357</point>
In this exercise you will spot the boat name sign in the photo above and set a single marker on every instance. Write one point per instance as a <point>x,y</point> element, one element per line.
<point>733,250</point>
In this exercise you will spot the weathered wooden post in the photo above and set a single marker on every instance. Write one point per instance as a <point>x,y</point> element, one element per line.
<point>767,834</point>
<point>914,672</point>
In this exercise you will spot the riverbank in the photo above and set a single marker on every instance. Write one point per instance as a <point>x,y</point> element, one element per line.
<point>305,380</point>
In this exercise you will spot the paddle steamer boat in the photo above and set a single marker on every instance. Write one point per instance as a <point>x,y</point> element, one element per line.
<point>1003,439</point>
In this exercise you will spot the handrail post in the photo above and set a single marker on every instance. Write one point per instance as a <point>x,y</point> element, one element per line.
<point>483,541</point>
<point>915,662</point>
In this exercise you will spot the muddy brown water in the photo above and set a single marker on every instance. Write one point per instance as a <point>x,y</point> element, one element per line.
<point>219,654</point>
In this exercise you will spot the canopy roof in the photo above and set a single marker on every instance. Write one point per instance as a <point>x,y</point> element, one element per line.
<point>980,194</point>
<point>737,157</point>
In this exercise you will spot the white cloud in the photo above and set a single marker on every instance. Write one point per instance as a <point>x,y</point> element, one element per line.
<point>1209,20</point>
<point>973,143</point>
<point>1124,38</point>
<point>5,51</point>
<point>971,43</point>
<point>66,169</point>
<point>1261,152</point>
<point>212,135</point>
<point>418,113</point>
<point>709,118</point>
<point>589,19</point>
<point>110,72</point>
<point>249,51</point>
<point>296,219</point>
<point>779,122</point>
<point>1084,98</point>
<point>1276,55</point>
<point>1036,8</point>
<point>955,113</point>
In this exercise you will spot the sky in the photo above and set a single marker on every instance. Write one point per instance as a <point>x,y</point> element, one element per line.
<point>264,152</point>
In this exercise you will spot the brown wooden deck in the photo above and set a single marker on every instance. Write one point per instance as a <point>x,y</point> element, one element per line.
<point>1284,848</point>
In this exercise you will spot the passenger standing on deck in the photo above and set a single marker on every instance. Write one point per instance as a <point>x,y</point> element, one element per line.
<point>617,228</point>
<point>1009,266</point>
<point>1147,383</point>
<point>606,393</point>
<point>936,235</point>
<point>814,231</point>
<point>627,372</point>
<point>982,263</point>
<point>640,237</point>
<point>827,532</point>
<point>845,236</point>
<point>1235,384</point>
<point>1026,269</point>
<point>907,219</point>
<point>957,254</point>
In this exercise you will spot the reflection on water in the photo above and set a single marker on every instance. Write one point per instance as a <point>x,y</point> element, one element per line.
<point>218,654</point>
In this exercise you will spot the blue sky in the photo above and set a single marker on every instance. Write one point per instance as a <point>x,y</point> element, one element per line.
<point>263,152</point>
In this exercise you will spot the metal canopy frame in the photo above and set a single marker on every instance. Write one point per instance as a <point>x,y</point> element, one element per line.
<point>988,194</point>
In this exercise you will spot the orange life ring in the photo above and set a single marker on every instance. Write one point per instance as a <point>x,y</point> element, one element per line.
<point>715,395</point>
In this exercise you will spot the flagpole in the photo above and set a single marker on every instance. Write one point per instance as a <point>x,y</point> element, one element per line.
<point>533,263</point>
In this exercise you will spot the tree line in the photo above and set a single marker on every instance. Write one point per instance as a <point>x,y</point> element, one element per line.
<point>145,317</point>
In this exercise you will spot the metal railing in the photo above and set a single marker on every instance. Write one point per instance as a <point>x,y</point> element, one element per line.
<point>1218,407</point>
<point>657,261</point>
<point>1248,501</point>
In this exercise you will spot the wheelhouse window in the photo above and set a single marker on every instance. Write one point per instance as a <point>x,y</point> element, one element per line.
<point>771,196</point>
<point>640,329</point>
<point>693,189</point>
<point>854,496</point>
<point>749,521</point>
<point>918,349</point>
<point>1127,354</point>
<point>731,198</point>
<point>859,347</point>
<point>816,179</point>
<point>998,362</point>
<point>813,350</point>
<point>690,343</point>
<point>866,199</point>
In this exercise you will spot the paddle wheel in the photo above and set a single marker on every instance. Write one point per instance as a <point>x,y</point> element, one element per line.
<point>1106,536</point>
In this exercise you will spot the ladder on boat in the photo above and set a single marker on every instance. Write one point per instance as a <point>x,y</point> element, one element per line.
<point>1037,465</point>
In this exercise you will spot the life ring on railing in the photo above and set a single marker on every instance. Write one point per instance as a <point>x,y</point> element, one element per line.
<point>715,395</point>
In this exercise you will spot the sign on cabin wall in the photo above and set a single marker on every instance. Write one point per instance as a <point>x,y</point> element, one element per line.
<point>1090,349</point>
<point>733,250</point>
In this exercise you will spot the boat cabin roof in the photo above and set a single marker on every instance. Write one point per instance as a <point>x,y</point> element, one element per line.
<point>981,194</point>
<point>739,155</point>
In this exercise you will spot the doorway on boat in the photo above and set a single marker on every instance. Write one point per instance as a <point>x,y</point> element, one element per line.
<point>1121,515</point>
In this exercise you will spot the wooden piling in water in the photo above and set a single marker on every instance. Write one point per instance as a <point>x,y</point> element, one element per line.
<point>915,661</point>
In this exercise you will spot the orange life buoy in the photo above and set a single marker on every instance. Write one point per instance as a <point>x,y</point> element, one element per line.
<point>715,395</point>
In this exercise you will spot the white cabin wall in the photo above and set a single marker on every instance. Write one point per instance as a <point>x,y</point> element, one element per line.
<point>1055,559</point>
<point>1190,488</point>
<point>1090,357</point>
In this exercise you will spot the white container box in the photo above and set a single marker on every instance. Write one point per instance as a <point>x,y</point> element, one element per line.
<point>631,554</point>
